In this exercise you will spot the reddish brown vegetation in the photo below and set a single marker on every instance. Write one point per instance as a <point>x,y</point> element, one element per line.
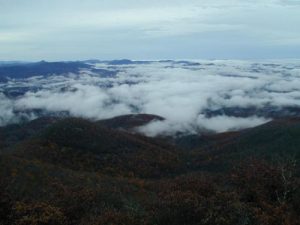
<point>77,172</point>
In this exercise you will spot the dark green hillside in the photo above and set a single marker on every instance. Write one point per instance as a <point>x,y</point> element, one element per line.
<point>128,122</point>
<point>15,133</point>
<point>278,137</point>
<point>275,141</point>
<point>77,172</point>
<point>83,145</point>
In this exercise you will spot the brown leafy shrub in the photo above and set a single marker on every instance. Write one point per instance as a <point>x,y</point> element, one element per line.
<point>186,207</point>
<point>269,190</point>
<point>113,217</point>
<point>6,209</point>
<point>37,214</point>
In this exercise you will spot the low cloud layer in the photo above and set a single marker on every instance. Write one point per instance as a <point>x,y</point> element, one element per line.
<point>181,92</point>
<point>202,124</point>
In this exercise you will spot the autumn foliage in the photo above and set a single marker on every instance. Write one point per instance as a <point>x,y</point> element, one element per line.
<point>77,172</point>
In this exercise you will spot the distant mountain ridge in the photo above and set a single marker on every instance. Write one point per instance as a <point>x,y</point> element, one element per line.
<point>43,68</point>
<point>18,71</point>
<point>21,70</point>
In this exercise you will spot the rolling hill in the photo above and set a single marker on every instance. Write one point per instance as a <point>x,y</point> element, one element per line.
<point>76,171</point>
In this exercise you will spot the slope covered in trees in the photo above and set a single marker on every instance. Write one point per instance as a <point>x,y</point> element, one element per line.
<point>74,171</point>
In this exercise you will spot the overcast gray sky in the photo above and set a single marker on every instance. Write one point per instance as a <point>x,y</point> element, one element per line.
<point>156,29</point>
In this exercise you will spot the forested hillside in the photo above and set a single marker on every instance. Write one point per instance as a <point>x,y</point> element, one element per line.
<point>74,171</point>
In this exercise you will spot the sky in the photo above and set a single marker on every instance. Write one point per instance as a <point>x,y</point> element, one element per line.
<point>55,30</point>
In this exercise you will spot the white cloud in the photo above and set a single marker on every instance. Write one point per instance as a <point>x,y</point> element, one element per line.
<point>228,123</point>
<point>86,101</point>
<point>177,92</point>
<point>6,112</point>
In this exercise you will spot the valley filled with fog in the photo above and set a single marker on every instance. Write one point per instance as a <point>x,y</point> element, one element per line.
<point>192,96</point>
